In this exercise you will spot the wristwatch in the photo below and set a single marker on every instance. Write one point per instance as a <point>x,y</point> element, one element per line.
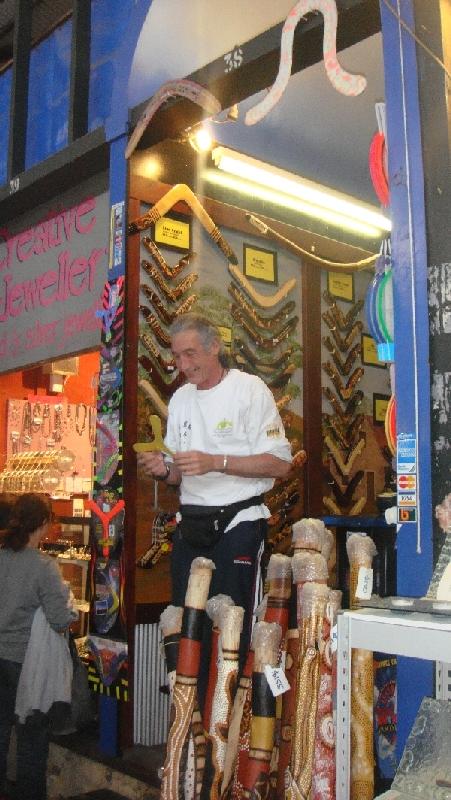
<point>166,476</point>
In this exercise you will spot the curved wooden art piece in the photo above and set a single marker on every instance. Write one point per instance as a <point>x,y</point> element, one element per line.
<point>344,82</point>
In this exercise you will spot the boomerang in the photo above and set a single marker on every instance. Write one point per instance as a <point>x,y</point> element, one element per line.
<point>170,293</point>
<point>262,300</point>
<point>180,88</point>
<point>157,443</point>
<point>343,81</point>
<point>266,323</point>
<point>168,272</point>
<point>182,192</point>
<point>166,316</point>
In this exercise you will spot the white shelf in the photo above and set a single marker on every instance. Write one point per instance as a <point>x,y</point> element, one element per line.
<point>411,634</point>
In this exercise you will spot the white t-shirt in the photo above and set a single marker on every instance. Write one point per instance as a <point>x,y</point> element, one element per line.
<point>237,417</point>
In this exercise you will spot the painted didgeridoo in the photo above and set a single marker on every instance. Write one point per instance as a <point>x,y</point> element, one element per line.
<point>361,551</point>
<point>299,776</point>
<point>230,627</point>
<point>288,697</point>
<point>182,192</point>
<point>255,778</point>
<point>170,626</point>
<point>279,580</point>
<point>213,608</point>
<point>185,688</point>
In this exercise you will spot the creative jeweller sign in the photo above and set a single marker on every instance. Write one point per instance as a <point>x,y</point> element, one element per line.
<point>53,265</point>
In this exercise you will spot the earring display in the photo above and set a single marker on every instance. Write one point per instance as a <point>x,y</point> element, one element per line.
<point>44,425</point>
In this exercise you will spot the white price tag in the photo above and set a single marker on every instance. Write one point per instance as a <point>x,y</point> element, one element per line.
<point>364,583</point>
<point>333,638</point>
<point>277,680</point>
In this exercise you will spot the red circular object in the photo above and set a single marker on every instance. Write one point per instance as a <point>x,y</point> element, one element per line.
<point>377,160</point>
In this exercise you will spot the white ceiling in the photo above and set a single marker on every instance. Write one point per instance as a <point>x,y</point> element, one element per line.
<point>313,131</point>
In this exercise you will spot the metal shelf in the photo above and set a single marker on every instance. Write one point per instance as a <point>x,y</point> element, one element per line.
<point>411,634</point>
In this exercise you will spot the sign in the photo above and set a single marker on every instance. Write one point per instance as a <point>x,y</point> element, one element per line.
<point>369,352</point>
<point>53,265</point>
<point>341,284</point>
<point>407,515</point>
<point>406,453</point>
<point>260,264</point>
<point>173,232</point>
<point>380,403</point>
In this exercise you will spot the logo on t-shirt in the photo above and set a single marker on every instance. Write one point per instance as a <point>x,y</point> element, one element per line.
<point>246,560</point>
<point>223,428</point>
<point>273,432</point>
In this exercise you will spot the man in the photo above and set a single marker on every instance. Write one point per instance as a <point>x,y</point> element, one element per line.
<point>229,445</point>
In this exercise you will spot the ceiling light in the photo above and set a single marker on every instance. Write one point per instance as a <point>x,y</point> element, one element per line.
<point>273,185</point>
<point>201,140</point>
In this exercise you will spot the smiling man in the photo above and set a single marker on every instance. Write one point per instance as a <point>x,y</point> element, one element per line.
<point>229,445</point>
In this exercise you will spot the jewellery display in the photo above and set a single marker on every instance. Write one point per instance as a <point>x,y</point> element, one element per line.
<point>168,272</point>
<point>262,300</point>
<point>167,316</point>
<point>81,413</point>
<point>344,82</point>
<point>182,192</point>
<point>171,294</point>
<point>36,471</point>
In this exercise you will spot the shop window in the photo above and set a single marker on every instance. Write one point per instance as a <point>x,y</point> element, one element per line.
<point>106,39</point>
<point>48,97</point>
<point>5,95</point>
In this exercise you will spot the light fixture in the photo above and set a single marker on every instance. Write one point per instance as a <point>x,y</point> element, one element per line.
<point>200,139</point>
<point>247,175</point>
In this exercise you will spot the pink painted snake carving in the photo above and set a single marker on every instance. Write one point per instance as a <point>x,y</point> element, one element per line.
<point>344,82</point>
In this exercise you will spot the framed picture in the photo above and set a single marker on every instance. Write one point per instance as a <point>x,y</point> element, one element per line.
<point>260,264</point>
<point>380,403</point>
<point>341,285</point>
<point>173,231</point>
<point>369,352</point>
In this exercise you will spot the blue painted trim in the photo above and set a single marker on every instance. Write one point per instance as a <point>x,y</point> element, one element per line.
<point>118,193</point>
<point>414,544</point>
<point>409,286</point>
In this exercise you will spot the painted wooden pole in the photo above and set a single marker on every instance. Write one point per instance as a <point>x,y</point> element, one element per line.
<point>185,688</point>
<point>214,606</point>
<point>361,550</point>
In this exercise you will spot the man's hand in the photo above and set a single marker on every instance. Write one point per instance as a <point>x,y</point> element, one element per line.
<point>152,464</point>
<point>194,462</point>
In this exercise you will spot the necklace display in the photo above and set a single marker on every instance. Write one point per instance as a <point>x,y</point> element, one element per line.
<point>81,412</point>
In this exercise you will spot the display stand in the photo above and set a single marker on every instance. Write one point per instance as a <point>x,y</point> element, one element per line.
<point>415,635</point>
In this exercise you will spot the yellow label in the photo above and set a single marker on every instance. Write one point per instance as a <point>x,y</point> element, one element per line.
<point>172,232</point>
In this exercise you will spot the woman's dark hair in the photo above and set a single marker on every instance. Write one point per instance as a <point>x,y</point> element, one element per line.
<point>7,500</point>
<point>208,332</point>
<point>29,512</point>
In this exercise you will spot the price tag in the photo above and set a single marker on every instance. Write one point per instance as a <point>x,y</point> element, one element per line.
<point>364,583</point>
<point>334,638</point>
<point>277,680</point>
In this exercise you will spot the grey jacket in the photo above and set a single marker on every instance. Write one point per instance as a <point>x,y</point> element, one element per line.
<point>29,579</point>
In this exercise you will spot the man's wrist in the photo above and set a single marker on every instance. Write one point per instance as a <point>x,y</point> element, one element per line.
<point>166,474</point>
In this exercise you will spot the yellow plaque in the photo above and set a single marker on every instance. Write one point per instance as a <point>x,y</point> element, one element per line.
<point>369,351</point>
<point>260,264</point>
<point>341,284</point>
<point>172,233</point>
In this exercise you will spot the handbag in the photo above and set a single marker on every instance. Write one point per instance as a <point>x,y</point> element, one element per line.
<point>203,526</point>
<point>81,712</point>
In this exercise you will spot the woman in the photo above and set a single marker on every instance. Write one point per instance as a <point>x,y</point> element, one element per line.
<point>29,579</point>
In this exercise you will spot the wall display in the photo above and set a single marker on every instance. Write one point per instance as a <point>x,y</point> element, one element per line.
<point>260,264</point>
<point>341,286</point>
<point>264,301</point>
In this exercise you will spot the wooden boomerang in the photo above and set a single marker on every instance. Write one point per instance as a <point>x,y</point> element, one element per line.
<point>167,271</point>
<point>158,443</point>
<point>262,300</point>
<point>182,88</point>
<point>154,397</point>
<point>182,192</point>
